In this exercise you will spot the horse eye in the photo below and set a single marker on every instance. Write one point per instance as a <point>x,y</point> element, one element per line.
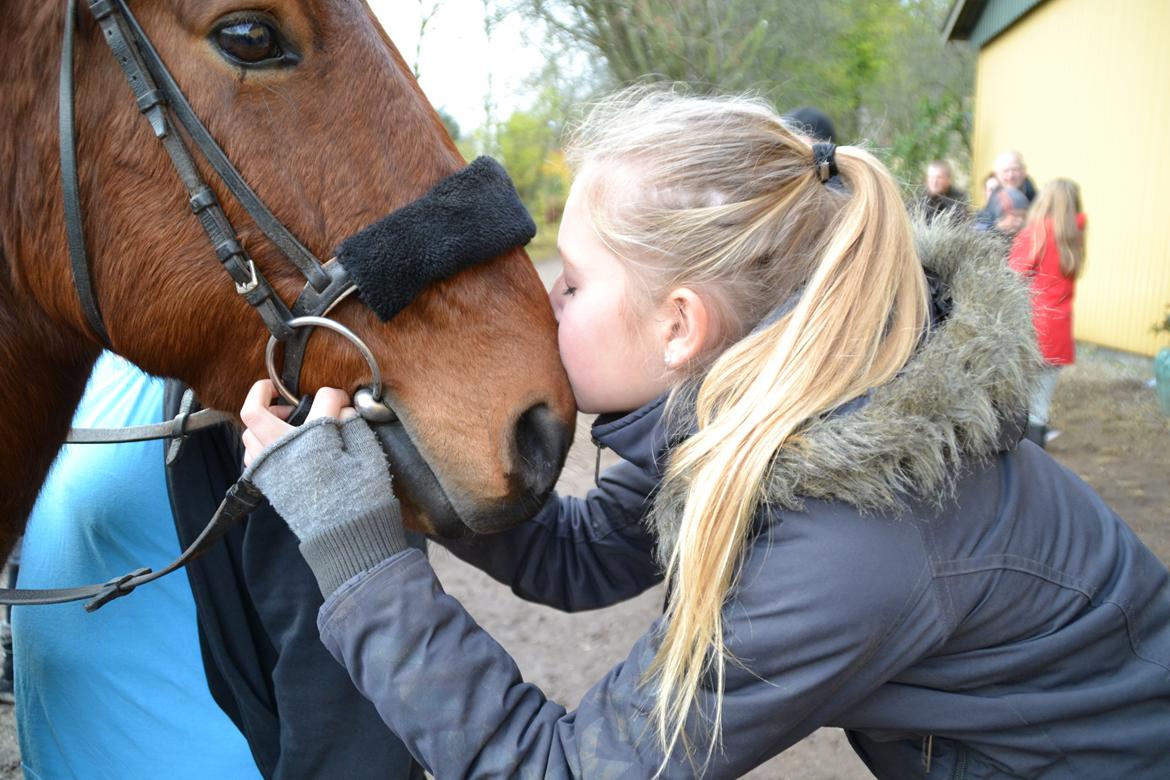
<point>251,42</point>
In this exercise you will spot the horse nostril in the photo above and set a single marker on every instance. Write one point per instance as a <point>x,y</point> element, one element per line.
<point>541,445</point>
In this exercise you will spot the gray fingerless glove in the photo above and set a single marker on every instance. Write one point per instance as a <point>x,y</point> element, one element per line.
<point>330,482</point>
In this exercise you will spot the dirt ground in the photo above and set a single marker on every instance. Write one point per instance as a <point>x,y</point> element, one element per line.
<point>1111,434</point>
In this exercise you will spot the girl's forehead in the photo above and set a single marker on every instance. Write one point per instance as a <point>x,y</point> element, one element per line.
<point>611,178</point>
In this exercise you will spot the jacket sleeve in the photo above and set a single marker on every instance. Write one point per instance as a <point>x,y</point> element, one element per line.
<point>819,621</point>
<point>577,553</point>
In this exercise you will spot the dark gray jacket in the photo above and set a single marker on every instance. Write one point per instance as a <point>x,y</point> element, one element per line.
<point>919,580</point>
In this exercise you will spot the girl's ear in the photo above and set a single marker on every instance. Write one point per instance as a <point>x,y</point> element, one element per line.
<point>686,326</point>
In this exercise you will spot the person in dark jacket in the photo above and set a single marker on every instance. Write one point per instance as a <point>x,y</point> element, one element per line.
<point>824,463</point>
<point>256,603</point>
<point>1010,171</point>
<point>1007,205</point>
<point>939,196</point>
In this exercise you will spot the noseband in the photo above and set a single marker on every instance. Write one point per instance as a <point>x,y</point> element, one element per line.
<point>475,214</point>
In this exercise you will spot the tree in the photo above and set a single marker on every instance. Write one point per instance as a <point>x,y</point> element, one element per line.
<point>878,69</point>
<point>451,124</point>
<point>426,12</point>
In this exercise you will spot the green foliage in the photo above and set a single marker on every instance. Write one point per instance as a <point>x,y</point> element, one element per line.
<point>528,144</point>
<point>524,143</point>
<point>452,126</point>
<point>941,129</point>
<point>528,147</point>
<point>1163,325</point>
<point>880,70</point>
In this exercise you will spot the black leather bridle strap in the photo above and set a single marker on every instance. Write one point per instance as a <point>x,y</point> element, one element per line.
<point>74,229</point>
<point>241,499</point>
<point>305,260</point>
<point>111,15</point>
<point>159,98</point>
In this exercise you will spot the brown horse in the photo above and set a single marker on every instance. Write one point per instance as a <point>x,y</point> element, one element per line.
<point>330,139</point>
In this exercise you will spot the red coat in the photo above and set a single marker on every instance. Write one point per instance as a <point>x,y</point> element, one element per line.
<point>1052,293</point>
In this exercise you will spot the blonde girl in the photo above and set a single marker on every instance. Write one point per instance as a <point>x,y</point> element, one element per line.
<point>1050,253</point>
<point>818,412</point>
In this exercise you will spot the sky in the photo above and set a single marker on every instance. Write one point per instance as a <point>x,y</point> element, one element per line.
<point>456,56</point>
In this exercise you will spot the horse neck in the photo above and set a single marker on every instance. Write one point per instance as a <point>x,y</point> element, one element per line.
<point>46,361</point>
<point>42,382</point>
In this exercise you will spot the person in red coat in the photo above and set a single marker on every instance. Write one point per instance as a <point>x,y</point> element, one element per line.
<point>1050,251</point>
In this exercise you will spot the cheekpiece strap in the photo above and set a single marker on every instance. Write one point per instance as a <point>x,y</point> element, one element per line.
<point>825,160</point>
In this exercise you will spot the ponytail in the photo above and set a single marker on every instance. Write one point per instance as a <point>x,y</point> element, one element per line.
<point>859,318</point>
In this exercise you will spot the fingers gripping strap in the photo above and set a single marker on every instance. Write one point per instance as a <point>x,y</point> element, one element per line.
<point>469,217</point>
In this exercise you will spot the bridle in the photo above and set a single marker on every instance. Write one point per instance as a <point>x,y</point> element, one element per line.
<point>160,100</point>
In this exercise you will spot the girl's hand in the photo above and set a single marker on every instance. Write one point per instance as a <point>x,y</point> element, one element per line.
<point>328,478</point>
<point>266,423</point>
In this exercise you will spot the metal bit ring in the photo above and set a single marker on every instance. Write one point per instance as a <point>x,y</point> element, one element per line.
<point>367,401</point>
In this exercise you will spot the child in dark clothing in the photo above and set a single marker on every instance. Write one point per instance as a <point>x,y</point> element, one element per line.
<point>822,458</point>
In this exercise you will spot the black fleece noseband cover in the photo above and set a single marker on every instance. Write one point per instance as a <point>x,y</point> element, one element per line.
<point>467,218</point>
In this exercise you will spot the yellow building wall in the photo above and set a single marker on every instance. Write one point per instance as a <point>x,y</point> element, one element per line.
<point>1082,89</point>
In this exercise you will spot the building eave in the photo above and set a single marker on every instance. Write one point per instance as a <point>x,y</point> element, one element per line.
<point>961,19</point>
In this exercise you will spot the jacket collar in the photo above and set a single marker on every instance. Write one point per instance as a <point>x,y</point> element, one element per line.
<point>638,436</point>
<point>959,401</point>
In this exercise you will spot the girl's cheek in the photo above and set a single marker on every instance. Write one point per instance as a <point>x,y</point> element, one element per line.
<point>564,340</point>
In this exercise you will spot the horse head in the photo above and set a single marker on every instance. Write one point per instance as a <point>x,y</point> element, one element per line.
<point>317,110</point>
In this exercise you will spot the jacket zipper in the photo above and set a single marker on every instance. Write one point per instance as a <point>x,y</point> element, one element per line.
<point>960,764</point>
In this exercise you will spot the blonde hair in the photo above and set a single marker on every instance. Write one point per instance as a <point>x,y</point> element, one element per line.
<point>720,195</point>
<point>1059,203</point>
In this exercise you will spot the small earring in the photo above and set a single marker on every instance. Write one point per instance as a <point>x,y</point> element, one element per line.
<point>668,359</point>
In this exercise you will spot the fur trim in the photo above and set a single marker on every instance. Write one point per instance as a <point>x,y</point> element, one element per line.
<point>949,407</point>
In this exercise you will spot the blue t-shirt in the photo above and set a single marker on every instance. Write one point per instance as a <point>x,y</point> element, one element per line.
<point>119,693</point>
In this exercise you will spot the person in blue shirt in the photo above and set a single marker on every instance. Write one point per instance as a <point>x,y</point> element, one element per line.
<point>200,674</point>
<point>121,692</point>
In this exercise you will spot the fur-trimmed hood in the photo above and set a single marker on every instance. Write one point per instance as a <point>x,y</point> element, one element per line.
<point>961,399</point>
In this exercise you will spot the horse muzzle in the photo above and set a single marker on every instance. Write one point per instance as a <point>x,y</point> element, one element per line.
<point>539,444</point>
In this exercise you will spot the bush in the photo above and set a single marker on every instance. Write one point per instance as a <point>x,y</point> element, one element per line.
<point>1163,325</point>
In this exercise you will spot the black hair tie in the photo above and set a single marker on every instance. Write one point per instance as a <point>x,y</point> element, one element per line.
<point>825,160</point>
